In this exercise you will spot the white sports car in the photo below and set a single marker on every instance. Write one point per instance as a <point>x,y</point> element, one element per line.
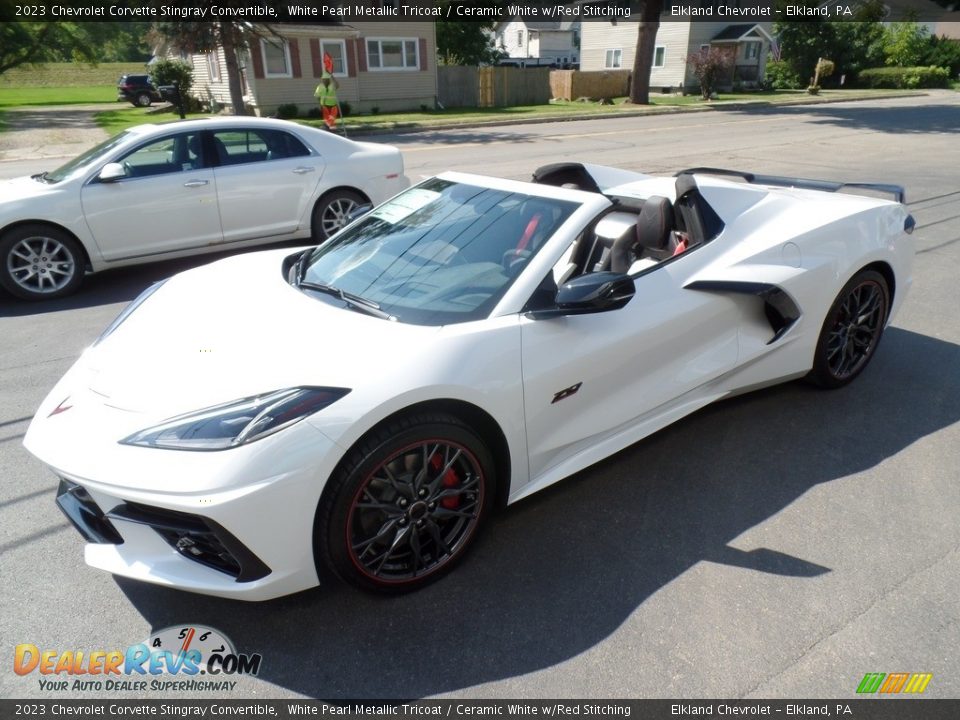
<point>184,188</point>
<point>252,427</point>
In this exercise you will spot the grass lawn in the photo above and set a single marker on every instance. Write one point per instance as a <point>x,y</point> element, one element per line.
<point>113,121</point>
<point>562,108</point>
<point>125,116</point>
<point>72,95</point>
<point>68,74</point>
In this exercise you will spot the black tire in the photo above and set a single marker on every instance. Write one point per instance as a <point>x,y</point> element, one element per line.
<point>852,330</point>
<point>382,525</point>
<point>331,211</point>
<point>40,262</point>
<point>142,99</point>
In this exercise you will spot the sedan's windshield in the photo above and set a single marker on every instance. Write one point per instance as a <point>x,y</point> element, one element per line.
<point>440,253</point>
<point>81,161</point>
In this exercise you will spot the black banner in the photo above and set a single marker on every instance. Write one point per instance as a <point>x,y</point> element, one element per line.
<point>352,11</point>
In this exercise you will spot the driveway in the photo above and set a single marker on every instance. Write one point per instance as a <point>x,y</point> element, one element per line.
<point>50,131</point>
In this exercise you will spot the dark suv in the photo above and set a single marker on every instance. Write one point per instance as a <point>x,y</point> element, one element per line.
<point>138,90</point>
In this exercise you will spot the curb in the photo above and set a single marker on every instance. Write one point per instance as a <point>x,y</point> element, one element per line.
<point>402,128</point>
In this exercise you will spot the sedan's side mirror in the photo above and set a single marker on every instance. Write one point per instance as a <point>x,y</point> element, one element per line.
<point>112,172</point>
<point>358,212</point>
<point>591,293</point>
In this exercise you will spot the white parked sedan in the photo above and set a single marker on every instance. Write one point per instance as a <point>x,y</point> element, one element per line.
<point>259,425</point>
<point>184,188</point>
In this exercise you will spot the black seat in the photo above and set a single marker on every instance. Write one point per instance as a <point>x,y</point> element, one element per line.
<point>654,225</point>
<point>222,155</point>
<point>195,148</point>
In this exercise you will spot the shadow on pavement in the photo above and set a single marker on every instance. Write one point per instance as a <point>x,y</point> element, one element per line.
<point>904,119</point>
<point>556,574</point>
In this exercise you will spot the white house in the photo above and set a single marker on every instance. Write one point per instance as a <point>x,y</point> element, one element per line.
<point>612,46</point>
<point>529,43</point>
<point>385,65</point>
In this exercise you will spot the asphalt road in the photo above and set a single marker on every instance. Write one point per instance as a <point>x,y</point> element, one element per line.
<point>781,544</point>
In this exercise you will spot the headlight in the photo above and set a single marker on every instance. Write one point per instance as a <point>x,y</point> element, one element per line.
<point>238,422</point>
<point>128,310</point>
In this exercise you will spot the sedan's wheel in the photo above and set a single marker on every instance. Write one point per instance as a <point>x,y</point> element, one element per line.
<point>332,212</point>
<point>852,330</point>
<point>38,262</point>
<point>143,99</point>
<point>406,504</point>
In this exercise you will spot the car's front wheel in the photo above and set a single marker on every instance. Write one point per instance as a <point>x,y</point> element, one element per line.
<point>852,330</point>
<point>406,503</point>
<point>39,262</point>
<point>332,212</point>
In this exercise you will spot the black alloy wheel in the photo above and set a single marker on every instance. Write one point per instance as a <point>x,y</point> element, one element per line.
<point>852,330</point>
<point>407,504</point>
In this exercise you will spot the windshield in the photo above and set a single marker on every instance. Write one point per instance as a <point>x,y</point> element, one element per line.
<point>81,161</point>
<point>440,253</point>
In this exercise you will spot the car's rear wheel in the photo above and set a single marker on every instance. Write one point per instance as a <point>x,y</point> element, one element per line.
<point>406,504</point>
<point>852,330</point>
<point>332,212</point>
<point>143,99</point>
<point>39,262</point>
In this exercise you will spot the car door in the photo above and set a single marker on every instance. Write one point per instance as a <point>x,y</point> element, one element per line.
<point>265,181</point>
<point>587,378</point>
<point>166,202</point>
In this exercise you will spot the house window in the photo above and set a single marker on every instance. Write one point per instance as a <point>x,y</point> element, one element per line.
<point>276,57</point>
<point>659,55</point>
<point>393,54</point>
<point>337,50</point>
<point>213,66</point>
<point>751,50</point>
<point>614,58</point>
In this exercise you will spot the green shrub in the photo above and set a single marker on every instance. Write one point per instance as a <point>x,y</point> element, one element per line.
<point>904,77</point>
<point>780,76</point>
<point>288,111</point>
<point>945,53</point>
<point>345,108</point>
<point>166,72</point>
<point>313,112</point>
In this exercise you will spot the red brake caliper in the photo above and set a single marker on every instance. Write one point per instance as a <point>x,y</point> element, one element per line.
<point>450,480</point>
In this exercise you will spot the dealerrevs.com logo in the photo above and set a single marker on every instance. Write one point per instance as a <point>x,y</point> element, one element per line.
<point>170,660</point>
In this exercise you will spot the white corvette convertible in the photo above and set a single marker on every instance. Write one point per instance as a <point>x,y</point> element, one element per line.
<point>256,426</point>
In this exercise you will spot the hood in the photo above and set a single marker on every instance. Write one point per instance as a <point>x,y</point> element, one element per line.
<point>235,329</point>
<point>22,188</point>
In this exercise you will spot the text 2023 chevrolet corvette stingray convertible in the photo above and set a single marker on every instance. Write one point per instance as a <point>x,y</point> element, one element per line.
<point>252,427</point>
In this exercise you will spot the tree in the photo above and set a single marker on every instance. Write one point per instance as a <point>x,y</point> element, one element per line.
<point>709,66</point>
<point>852,45</point>
<point>466,43</point>
<point>649,11</point>
<point>32,43</point>
<point>906,44</point>
<point>205,37</point>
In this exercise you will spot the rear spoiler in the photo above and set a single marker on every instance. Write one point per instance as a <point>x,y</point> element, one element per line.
<point>896,191</point>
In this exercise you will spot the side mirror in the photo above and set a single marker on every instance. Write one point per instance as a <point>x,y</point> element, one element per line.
<point>112,172</point>
<point>591,293</point>
<point>358,212</point>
